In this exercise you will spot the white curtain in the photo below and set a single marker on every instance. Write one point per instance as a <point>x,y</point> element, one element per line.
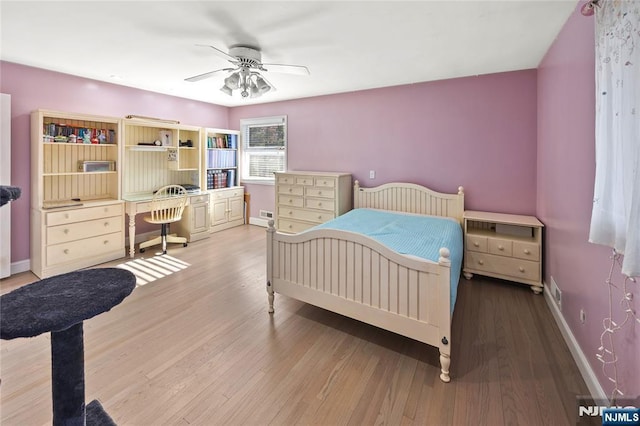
<point>615,219</point>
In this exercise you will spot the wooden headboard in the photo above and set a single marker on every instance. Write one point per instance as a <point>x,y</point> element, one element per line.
<point>411,198</point>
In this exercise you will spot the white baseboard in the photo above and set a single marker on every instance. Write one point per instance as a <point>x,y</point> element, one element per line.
<point>21,266</point>
<point>259,221</point>
<point>579,357</point>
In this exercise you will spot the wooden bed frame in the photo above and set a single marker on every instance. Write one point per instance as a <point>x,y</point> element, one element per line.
<point>355,276</point>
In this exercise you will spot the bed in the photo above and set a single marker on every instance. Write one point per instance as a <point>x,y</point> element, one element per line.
<point>364,274</point>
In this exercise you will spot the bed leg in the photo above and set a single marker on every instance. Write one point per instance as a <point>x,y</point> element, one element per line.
<point>270,296</point>
<point>445,361</point>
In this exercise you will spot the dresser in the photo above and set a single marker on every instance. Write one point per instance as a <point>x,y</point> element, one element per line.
<point>503,246</point>
<point>71,238</point>
<point>306,199</point>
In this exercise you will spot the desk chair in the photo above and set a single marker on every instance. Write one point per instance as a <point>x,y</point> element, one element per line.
<point>167,206</point>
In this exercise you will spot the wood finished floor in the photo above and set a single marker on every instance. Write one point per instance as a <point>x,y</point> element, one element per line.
<point>199,348</point>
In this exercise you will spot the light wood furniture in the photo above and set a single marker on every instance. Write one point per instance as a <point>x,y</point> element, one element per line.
<point>149,167</point>
<point>504,246</point>
<point>306,199</point>
<point>76,215</point>
<point>227,208</point>
<point>194,225</point>
<point>333,270</point>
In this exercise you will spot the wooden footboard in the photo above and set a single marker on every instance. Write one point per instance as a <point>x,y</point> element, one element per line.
<point>358,277</point>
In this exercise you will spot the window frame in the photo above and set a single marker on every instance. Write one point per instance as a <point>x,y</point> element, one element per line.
<point>245,123</point>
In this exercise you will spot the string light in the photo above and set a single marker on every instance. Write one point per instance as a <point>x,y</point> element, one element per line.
<point>607,352</point>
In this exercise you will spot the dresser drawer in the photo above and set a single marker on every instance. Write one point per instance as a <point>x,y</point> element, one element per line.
<point>304,180</point>
<point>516,268</point>
<point>321,192</point>
<point>198,199</point>
<point>477,243</point>
<point>286,179</point>
<point>291,190</point>
<point>524,250</point>
<point>220,195</point>
<point>499,246</point>
<point>316,203</point>
<point>311,216</point>
<point>293,226</point>
<point>290,201</point>
<point>77,215</point>
<point>325,182</point>
<point>85,248</point>
<point>81,230</point>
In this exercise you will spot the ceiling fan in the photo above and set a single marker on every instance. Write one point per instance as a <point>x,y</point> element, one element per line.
<point>245,73</point>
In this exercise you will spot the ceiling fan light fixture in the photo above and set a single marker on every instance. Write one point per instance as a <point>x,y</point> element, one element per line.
<point>225,89</point>
<point>233,81</point>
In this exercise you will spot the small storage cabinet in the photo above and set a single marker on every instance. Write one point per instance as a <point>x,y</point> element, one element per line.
<point>227,208</point>
<point>76,209</point>
<point>306,199</point>
<point>194,225</point>
<point>503,246</point>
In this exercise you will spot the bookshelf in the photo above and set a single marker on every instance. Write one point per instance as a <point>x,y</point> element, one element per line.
<point>157,154</point>
<point>76,209</point>
<point>221,176</point>
<point>221,158</point>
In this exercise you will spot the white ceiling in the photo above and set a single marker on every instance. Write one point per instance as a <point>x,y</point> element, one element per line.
<point>347,46</point>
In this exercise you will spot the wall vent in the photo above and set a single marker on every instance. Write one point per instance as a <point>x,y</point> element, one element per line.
<point>265,214</point>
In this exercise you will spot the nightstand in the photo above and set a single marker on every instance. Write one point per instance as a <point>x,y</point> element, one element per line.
<point>503,246</point>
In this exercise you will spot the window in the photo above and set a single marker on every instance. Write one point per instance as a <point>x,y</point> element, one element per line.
<point>264,148</point>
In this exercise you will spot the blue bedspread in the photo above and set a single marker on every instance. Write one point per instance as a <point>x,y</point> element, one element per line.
<point>416,235</point>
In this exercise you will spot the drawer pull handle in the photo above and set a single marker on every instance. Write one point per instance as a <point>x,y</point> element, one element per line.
<point>480,262</point>
<point>501,248</point>
<point>319,192</point>
<point>105,242</point>
<point>527,251</point>
<point>290,201</point>
<point>106,224</point>
<point>66,216</point>
<point>290,226</point>
<point>319,217</point>
<point>66,231</point>
<point>66,251</point>
<point>290,189</point>
<point>319,204</point>
<point>521,269</point>
<point>476,244</point>
<point>290,212</point>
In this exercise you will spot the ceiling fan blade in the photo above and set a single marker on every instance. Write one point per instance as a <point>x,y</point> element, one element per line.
<point>287,69</point>
<point>206,75</point>
<point>221,53</point>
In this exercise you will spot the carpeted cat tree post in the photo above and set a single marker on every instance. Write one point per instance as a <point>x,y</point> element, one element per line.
<point>59,305</point>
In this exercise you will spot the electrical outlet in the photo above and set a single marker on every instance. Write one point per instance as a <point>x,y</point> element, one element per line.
<point>583,316</point>
<point>556,293</point>
<point>372,174</point>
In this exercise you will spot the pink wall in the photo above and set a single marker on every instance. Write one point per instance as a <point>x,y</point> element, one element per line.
<point>565,176</point>
<point>33,88</point>
<point>478,132</point>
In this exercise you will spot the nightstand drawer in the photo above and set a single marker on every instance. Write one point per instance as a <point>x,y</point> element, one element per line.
<point>477,243</point>
<point>499,246</point>
<point>529,251</point>
<point>517,268</point>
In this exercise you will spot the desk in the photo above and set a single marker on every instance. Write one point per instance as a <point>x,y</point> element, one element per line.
<point>141,203</point>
